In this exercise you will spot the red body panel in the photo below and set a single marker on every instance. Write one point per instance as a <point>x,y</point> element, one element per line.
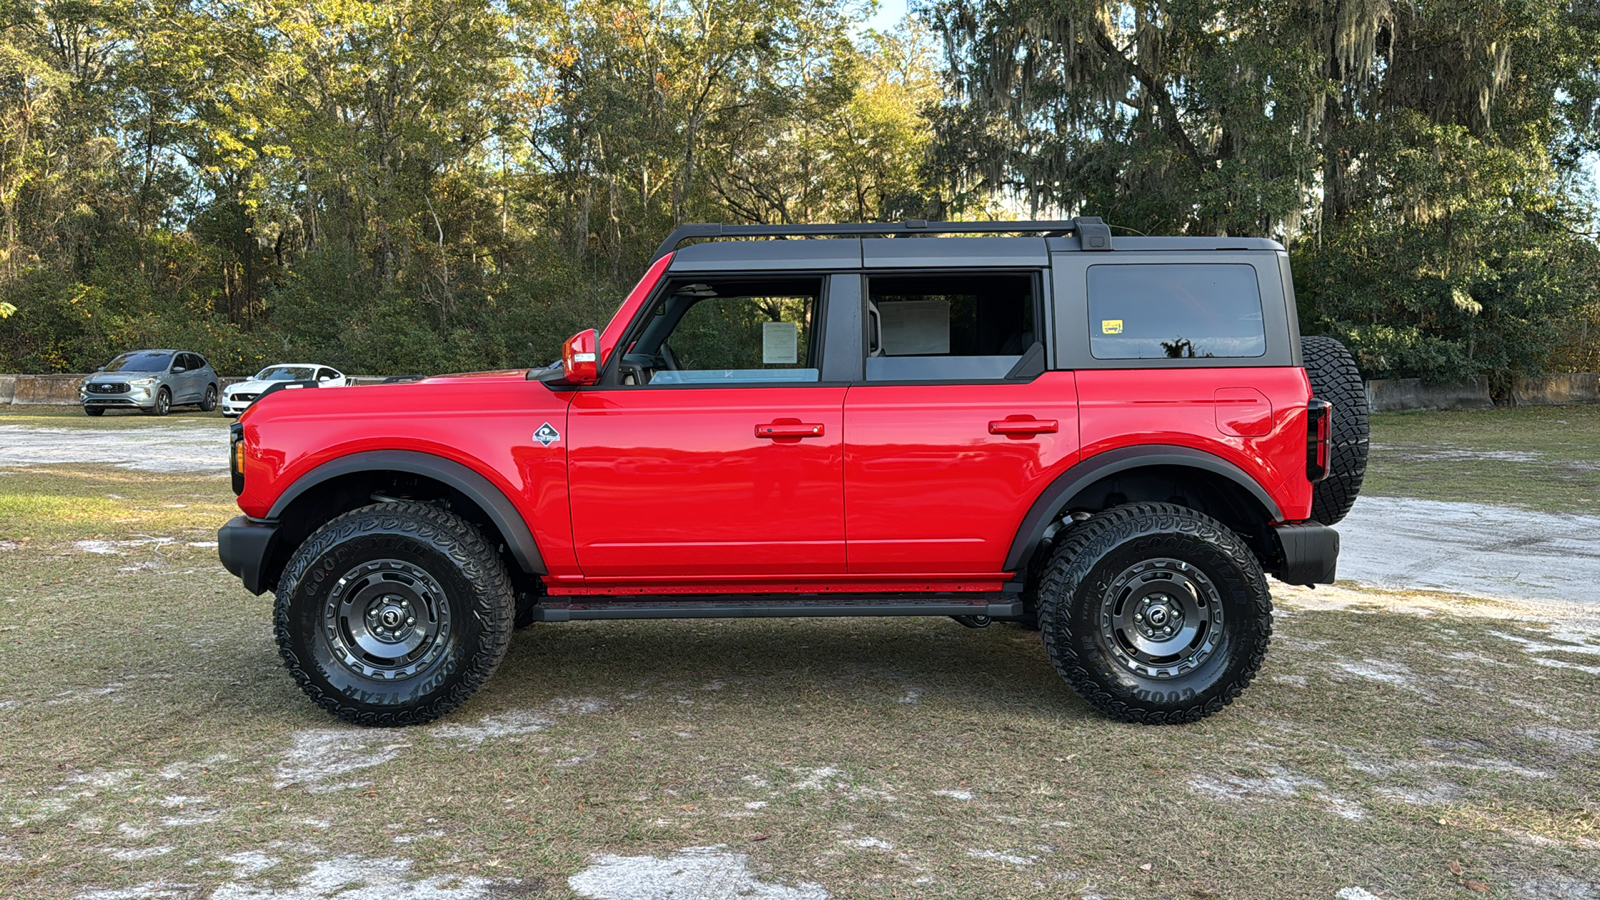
<point>1134,407</point>
<point>929,486</point>
<point>776,488</point>
<point>678,482</point>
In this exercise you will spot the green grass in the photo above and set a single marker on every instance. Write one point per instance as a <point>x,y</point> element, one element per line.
<point>1544,458</point>
<point>74,417</point>
<point>147,722</point>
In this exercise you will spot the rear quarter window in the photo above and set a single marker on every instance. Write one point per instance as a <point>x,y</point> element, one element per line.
<point>1175,311</point>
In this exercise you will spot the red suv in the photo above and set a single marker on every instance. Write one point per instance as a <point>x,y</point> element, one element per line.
<point>1112,441</point>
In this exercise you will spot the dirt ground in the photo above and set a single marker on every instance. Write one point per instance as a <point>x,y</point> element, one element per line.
<point>1398,744</point>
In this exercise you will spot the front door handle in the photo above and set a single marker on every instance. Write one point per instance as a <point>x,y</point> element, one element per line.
<point>792,430</point>
<point>1019,427</point>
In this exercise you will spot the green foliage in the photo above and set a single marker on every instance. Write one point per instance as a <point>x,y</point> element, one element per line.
<point>429,185</point>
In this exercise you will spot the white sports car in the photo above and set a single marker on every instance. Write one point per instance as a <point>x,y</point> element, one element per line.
<point>237,398</point>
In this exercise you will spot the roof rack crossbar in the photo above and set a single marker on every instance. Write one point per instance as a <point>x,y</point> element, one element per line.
<point>1092,233</point>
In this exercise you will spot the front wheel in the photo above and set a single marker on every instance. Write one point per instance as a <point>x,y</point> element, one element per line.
<point>162,405</point>
<point>393,614</point>
<point>1154,613</point>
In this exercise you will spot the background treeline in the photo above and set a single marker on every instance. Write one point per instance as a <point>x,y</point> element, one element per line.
<point>433,185</point>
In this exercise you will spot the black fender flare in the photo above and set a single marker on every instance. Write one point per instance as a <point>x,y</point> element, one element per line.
<point>1055,498</point>
<point>478,489</point>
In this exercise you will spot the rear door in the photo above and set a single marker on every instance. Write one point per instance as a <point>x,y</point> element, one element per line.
<point>959,423</point>
<point>183,390</point>
<point>712,452</point>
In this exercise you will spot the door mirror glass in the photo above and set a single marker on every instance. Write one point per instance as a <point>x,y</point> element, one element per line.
<point>580,358</point>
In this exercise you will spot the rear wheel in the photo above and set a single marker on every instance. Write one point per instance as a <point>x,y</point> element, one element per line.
<point>393,614</point>
<point>1335,378</point>
<point>1154,613</point>
<point>210,401</point>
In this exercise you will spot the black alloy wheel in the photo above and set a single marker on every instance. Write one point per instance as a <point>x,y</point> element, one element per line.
<point>393,614</point>
<point>1154,613</point>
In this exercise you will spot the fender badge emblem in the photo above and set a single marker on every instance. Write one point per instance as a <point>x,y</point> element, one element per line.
<point>546,435</point>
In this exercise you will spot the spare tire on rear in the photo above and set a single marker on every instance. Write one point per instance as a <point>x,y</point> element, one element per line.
<point>1334,378</point>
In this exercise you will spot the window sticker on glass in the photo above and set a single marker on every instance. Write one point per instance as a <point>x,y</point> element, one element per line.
<point>915,327</point>
<point>1110,326</point>
<point>780,343</point>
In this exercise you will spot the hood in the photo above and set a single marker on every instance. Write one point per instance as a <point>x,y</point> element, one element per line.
<point>249,387</point>
<point>501,375</point>
<point>119,377</point>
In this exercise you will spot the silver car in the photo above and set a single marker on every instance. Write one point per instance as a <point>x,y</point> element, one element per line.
<point>151,381</point>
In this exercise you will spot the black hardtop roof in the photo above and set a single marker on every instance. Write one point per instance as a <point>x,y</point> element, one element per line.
<point>1087,233</point>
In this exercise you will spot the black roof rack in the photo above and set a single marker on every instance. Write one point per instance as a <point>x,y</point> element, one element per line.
<point>1092,233</point>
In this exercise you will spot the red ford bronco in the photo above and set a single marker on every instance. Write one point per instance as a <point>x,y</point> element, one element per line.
<point>1110,440</point>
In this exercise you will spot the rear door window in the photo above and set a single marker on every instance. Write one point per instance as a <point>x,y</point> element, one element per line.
<point>1175,311</point>
<point>952,327</point>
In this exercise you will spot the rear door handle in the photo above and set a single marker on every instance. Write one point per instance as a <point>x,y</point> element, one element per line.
<point>776,430</point>
<point>1024,427</point>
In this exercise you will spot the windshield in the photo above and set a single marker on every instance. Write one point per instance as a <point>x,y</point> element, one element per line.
<point>140,361</point>
<point>286,373</point>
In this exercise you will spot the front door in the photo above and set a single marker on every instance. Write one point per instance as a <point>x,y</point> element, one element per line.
<point>711,453</point>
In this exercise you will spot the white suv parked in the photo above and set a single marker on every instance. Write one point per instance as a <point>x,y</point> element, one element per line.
<point>238,397</point>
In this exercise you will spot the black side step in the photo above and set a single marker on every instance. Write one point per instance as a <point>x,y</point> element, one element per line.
<point>745,606</point>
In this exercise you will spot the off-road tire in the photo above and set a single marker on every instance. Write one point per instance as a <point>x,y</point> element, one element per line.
<point>210,401</point>
<point>1334,378</point>
<point>1082,573</point>
<point>162,406</point>
<point>476,611</point>
<point>94,410</point>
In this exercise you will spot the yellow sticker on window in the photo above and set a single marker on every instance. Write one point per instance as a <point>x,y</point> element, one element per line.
<point>1110,326</point>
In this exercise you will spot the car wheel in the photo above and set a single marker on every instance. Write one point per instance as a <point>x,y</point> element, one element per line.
<point>94,410</point>
<point>210,401</point>
<point>393,614</point>
<point>162,405</point>
<point>1335,378</point>
<point>1155,613</point>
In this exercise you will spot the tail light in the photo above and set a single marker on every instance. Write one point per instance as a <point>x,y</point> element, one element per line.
<point>1319,417</point>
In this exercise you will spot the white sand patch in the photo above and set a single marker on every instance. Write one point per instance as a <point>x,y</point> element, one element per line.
<point>503,725</point>
<point>135,832</point>
<point>413,838</point>
<point>161,889</point>
<point>250,862</point>
<point>693,873</point>
<point>12,856</point>
<point>189,820</point>
<point>102,778</point>
<point>178,801</point>
<point>1277,784</point>
<point>1452,454</point>
<point>954,795</point>
<point>320,755</point>
<point>756,804</point>
<point>997,856</point>
<point>913,695</point>
<point>151,448</point>
<point>361,878</point>
<point>119,548</point>
<point>518,722</point>
<point>756,781</point>
<point>578,760</point>
<point>869,843</point>
<point>202,543</point>
<point>1470,548</point>
<point>8,546</point>
<point>826,778</point>
<point>1566,738</point>
<point>1298,681</point>
<point>141,853</point>
<point>1378,670</point>
<point>1355,893</point>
